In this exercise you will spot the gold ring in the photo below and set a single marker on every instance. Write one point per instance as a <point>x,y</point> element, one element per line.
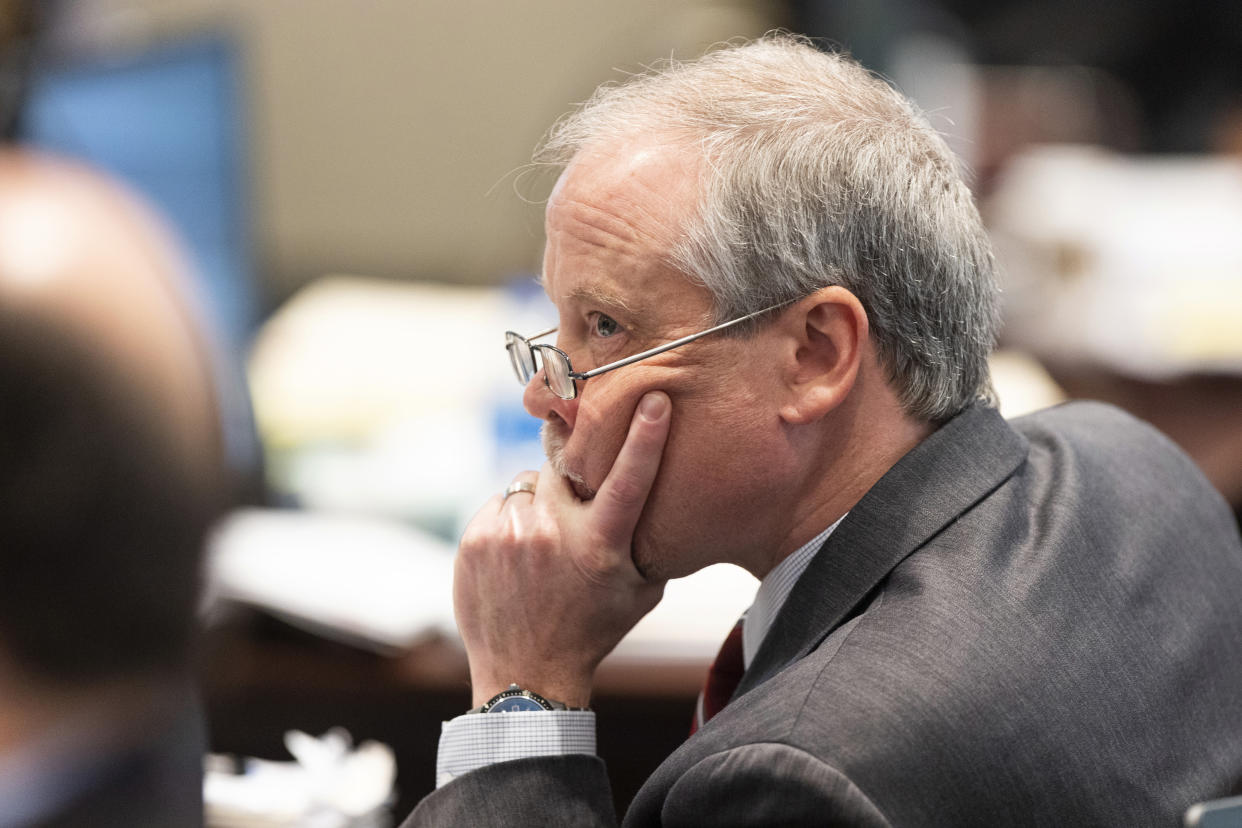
<point>519,486</point>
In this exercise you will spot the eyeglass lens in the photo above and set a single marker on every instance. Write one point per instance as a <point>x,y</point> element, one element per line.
<point>522,357</point>
<point>556,369</point>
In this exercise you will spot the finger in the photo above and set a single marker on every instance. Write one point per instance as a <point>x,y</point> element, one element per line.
<point>527,480</point>
<point>621,497</point>
<point>491,507</point>
<point>481,524</point>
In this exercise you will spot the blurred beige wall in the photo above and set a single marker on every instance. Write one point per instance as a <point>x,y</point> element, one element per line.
<point>384,132</point>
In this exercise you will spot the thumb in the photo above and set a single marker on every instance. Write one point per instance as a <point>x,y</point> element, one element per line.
<point>622,495</point>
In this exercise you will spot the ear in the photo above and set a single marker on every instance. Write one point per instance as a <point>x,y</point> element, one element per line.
<point>824,338</point>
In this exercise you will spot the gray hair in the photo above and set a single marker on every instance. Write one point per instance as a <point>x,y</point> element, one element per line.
<point>818,173</point>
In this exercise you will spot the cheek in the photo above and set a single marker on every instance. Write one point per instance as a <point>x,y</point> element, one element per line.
<point>716,422</point>
<point>600,427</point>
<point>714,442</point>
<point>603,421</point>
<point>723,456</point>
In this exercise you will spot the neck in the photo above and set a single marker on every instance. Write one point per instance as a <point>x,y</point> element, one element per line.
<point>846,453</point>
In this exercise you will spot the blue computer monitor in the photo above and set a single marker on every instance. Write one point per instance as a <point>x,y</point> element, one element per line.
<point>169,121</point>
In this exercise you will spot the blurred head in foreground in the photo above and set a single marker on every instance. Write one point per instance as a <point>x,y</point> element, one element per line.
<point>111,475</point>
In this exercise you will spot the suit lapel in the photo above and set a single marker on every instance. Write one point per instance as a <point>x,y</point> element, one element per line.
<point>942,477</point>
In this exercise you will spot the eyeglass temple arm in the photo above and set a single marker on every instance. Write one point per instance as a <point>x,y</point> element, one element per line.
<point>668,346</point>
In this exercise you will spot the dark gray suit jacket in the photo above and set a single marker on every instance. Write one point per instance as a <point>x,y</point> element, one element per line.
<point>1036,623</point>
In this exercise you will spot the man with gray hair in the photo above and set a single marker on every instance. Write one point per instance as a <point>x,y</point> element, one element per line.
<point>776,304</point>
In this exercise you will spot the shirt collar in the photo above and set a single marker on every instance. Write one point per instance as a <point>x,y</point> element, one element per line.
<point>773,591</point>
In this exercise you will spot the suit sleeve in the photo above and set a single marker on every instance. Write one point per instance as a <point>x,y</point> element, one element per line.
<point>553,790</point>
<point>754,785</point>
<point>767,785</point>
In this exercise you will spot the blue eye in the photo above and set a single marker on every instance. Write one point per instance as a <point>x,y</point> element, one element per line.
<point>605,326</point>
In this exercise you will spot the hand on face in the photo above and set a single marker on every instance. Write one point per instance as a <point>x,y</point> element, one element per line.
<point>545,585</point>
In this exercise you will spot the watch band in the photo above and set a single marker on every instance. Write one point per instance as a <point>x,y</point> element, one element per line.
<point>515,699</point>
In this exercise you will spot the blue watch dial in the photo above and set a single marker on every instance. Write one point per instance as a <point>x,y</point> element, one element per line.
<point>515,704</point>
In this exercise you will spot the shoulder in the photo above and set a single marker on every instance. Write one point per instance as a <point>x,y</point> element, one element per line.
<point>1098,431</point>
<point>1116,464</point>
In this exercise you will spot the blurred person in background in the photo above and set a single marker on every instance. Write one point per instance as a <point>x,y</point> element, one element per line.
<point>961,620</point>
<point>110,475</point>
<point>107,487</point>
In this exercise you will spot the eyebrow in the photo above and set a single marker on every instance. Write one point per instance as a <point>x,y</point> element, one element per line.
<point>635,312</point>
<point>592,295</point>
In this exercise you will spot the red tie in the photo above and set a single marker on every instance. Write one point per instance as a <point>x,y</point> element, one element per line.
<point>722,679</point>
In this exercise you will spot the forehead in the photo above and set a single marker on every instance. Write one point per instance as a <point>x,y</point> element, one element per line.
<point>613,219</point>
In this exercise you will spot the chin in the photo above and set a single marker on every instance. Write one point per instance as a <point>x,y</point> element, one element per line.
<point>659,561</point>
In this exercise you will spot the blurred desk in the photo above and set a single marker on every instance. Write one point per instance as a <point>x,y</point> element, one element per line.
<point>262,677</point>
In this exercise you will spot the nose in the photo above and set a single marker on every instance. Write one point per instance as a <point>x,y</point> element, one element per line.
<point>541,402</point>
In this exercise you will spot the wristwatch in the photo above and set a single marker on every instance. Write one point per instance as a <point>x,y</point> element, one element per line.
<point>515,700</point>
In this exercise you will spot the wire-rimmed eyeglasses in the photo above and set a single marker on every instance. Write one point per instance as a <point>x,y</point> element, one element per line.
<point>559,374</point>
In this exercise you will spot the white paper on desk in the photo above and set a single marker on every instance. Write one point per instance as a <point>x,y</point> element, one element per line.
<point>694,616</point>
<point>369,580</point>
<point>331,784</point>
<point>387,585</point>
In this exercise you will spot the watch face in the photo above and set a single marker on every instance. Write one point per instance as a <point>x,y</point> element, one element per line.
<point>514,704</point>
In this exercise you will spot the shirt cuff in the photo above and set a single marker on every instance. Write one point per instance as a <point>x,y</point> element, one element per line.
<point>475,740</point>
